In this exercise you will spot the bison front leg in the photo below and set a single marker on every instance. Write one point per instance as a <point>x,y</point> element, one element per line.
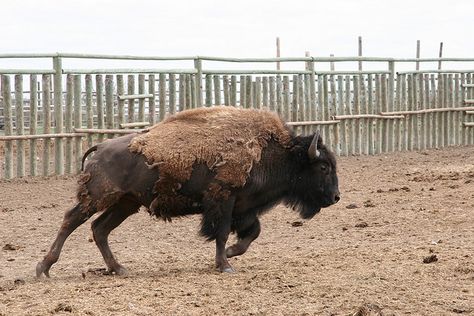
<point>246,233</point>
<point>72,219</point>
<point>217,220</point>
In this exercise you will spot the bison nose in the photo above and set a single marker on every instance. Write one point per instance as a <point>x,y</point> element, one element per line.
<point>337,198</point>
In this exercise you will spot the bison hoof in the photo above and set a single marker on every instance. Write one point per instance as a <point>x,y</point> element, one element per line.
<point>42,268</point>
<point>228,270</point>
<point>120,270</point>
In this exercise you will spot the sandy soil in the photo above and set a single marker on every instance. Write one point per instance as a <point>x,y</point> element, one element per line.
<point>396,210</point>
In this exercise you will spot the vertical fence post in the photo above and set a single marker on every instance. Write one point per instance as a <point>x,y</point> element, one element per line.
<point>89,108</point>
<point>208,88</point>
<point>226,86</point>
<point>151,100</point>
<point>172,93</point>
<point>120,102</point>
<point>312,93</point>
<point>77,122</point>
<point>7,103</point>
<point>162,95</point>
<point>46,104</point>
<point>33,121</point>
<point>20,123</point>
<point>217,90</point>
<point>131,102</point>
<point>58,114</point>
<point>182,92</point>
<point>286,98</point>
<point>258,93</point>
<point>100,103</point>
<point>68,121</point>
<point>391,104</point>
<point>233,90</point>
<point>198,95</point>
<point>109,102</point>
<point>141,101</point>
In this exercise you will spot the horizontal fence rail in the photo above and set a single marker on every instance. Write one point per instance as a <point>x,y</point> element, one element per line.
<point>48,117</point>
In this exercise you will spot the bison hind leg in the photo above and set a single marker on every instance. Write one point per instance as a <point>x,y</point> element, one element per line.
<point>72,219</point>
<point>108,221</point>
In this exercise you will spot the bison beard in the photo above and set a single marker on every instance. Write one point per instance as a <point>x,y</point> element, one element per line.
<point>228,164</point>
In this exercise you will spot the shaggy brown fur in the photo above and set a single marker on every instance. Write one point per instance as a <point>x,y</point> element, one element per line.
<point>227,139</point>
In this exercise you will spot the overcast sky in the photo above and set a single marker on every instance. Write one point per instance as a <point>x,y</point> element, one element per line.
<point>244,28</point>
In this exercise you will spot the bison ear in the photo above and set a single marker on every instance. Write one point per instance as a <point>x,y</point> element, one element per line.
<point>313,151</point>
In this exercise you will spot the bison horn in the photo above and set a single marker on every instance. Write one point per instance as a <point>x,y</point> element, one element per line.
<point>313,151</point>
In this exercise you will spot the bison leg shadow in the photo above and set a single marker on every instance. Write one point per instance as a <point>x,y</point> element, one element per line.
<point>247,231</point>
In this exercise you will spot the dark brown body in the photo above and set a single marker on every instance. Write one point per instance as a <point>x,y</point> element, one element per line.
<point>117,182</point>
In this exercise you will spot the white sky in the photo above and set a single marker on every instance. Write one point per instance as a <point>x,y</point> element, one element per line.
<point>243,28</point>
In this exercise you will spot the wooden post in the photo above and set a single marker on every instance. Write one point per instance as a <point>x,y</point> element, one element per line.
<point>242,91</point>
<point>46,104</point>
<point>378,105</point>
<point>77,122</point>
<point>131,102</point>
<point>172,93</point>
<point>294,105</point>
<point>279,96</point>
<point>151,100</point>
<point>312,94</point>
<point>301,109</point>
<point>417,54</point>
<point>109,101</point>
<point>265,93</point>
<point>20,123</point>
<point>226,87</point>
<point>189,92</point>
<point>217,90</point>
<point>391,104</point>
<point>89,112</point>
<point>258,93</point>
<point>99,89</point>
<point>182,92</point>
<point>208,90</point>
<point>333,130</point>
<point>248,92</point>
<point>286,98</point>
<point>100,102</point>
<point>278,52</point>
<point>356,122</point>
<point>141,101</point>
<point>440,54</point>
<point>198,81</point>
<point>58,115</point>
<point>162,96</point>
<point>403,106</point>
<point>120,102</point>
<point>434,116</point>
<point>68,121</point>
<point>33,121</point>
<point>7,104</point>
<point>370,110</point>
<point>271,93</point>
<point>410,103</point>
<point>233,90</point>
<point>341,149</point>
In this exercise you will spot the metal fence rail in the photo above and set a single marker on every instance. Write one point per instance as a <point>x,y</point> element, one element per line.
<point>362,112</point>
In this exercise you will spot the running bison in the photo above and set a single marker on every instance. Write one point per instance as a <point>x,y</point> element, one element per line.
<point>229,165</point>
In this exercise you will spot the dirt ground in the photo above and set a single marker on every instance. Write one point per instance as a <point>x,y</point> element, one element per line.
<point>396,211</point>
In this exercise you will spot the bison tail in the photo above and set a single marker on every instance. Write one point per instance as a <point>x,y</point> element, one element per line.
<point>92,149</point>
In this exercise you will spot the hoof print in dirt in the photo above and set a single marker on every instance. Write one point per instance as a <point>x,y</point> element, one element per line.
<point>430,259</point>
<point>369,203</point>
<point>61,307</point>
<point>362,225</point>
<point>10,247</point>
<point>19,281</point>
<point>368,310</point>
<point>97,271</point>
<point>297,224</point>
<point>352,206</point>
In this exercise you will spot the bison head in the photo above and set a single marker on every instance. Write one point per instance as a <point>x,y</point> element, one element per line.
<point>314,183</point>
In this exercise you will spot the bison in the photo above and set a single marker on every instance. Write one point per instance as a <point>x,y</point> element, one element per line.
<point>230,165</point>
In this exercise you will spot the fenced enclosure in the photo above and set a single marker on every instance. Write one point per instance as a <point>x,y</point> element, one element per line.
<point>51,115</point>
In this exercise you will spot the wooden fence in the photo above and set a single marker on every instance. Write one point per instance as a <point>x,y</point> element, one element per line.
<point>49,116</point>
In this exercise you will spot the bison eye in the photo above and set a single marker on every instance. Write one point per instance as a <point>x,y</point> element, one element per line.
<point>323,167</point>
